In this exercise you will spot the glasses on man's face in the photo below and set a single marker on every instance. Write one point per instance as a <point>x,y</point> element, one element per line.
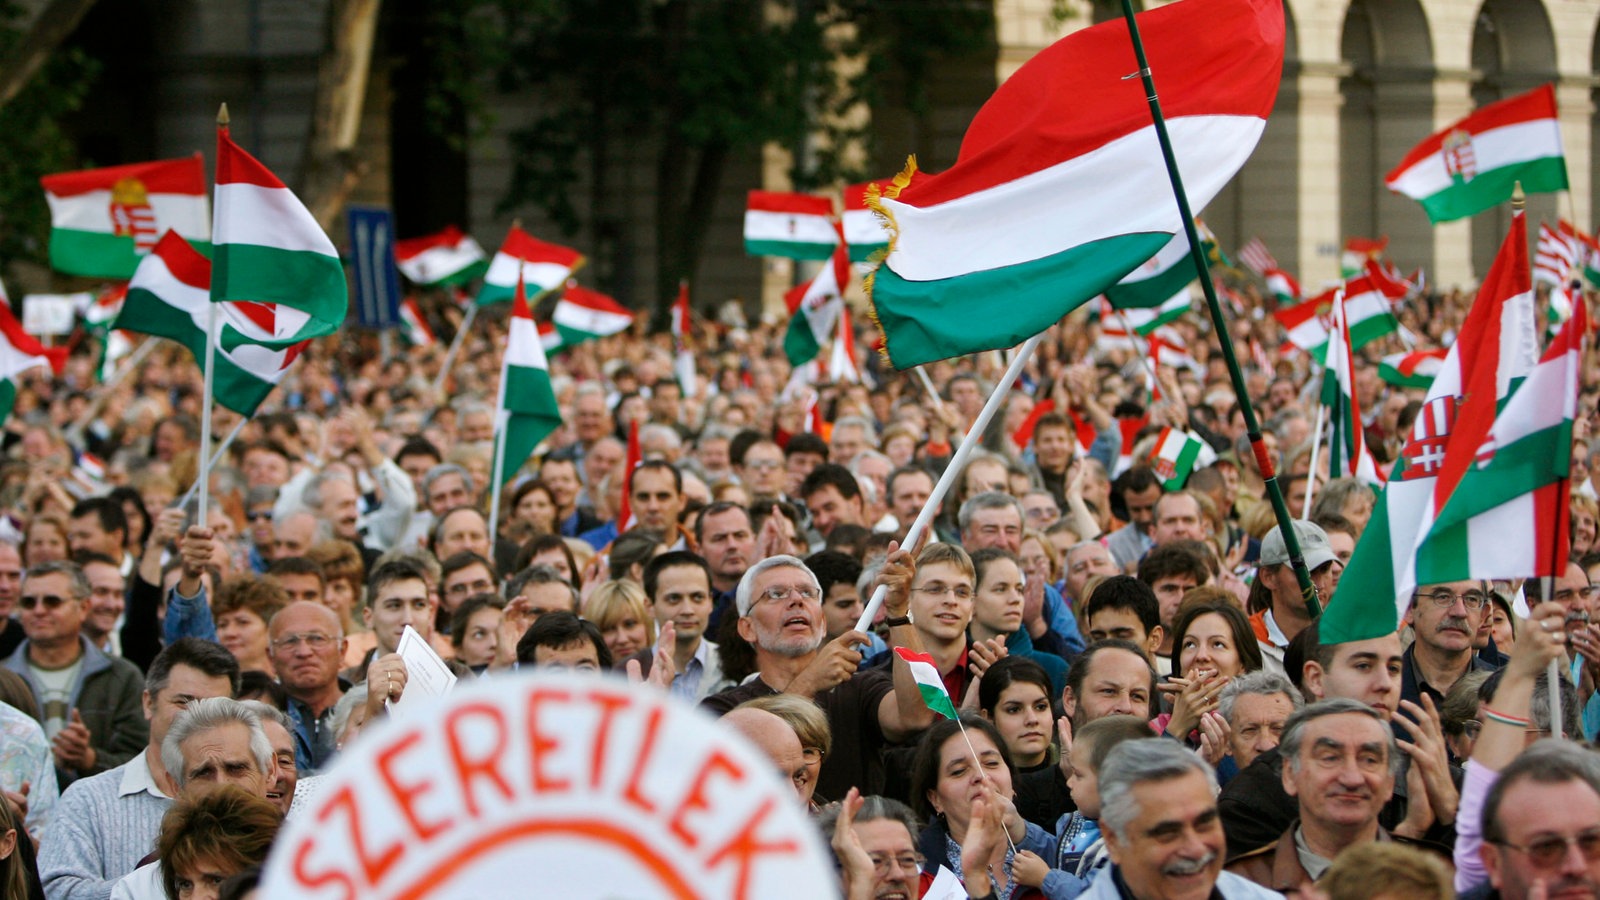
<point>314,640</point>
<point>49,601</point>
<point>780,594</point>
<point>1550,850</point>
<point>939,589</point>
<point>1444,598</point>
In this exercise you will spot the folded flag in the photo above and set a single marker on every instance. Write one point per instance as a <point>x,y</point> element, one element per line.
<point>1307,323</point>
<point>864,232</point>
<point>1388,280</point>
<point>814,308</point>
<point>1060,188</point>
<point>1158,279</point>
<point>19,352</point>
<point>583,315</point>
<point>1282,286</point>
<point>1494,351</point>
<point>103,221</point>
<point>528,410</point>
<point>1176,454</point>
<point>104,308</point>
<point>798,226</point>
<point>448,257</point>
<point>1348,453</point>
<point>1368,312</point>
<point>545,267</point>
<point>1508,517</point>
<point>1473,164</point>
<point>929,684</point>
<point>1412,370</point>
<point>1257,258</point>
<point>414,325</point>
<point>169,297</point>
<point>270,252</point>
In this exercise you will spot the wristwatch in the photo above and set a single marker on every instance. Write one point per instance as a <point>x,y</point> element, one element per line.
<point>896,621</point>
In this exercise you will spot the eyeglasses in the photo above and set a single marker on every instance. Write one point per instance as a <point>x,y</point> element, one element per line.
<point>259,515</point>
<point>313,640</point>
<point>1547,852</point>
<point>49,601</point>
<point>905,862</point>
<point>813,755</point>
<point>961,592</point>
<point>762,465</point>
<point>780,594</point>
<point>1444,598</point>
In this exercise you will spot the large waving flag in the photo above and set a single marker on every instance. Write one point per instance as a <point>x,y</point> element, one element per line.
<point>814,308</point>
<point>798,226</point>
<point>1473,164</point>
<point>1416,369</point>
<point>448,257</point>
<point>1508,516</point>
<point>524,259</point>
<point>1060,188</point>
<point>1348,453</point>
<point>269,252</point>
<point>584,315</point>
<point>19,352</point>
<point>863,230</point>
<point>170,297</point>
<point>103,221</point>
<point>1495,350</point>
<point>1158,280</point>
<point>528,410</point>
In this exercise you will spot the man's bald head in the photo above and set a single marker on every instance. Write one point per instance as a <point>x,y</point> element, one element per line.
<point>774,738</point>
<point>303,612</point>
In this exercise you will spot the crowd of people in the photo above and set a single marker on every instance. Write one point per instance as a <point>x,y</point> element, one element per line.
<point>1145,707</point>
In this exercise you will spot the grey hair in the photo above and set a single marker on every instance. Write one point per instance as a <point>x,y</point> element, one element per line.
<point>1261,683</point>
<point>666,434</point>
<point>743,600</point>
<point>206,715</point>
<point>440,471</point>
<point>988,500</point>
<point>1294,729</point>
<point>861,422</point>
<point>269,713</point>
<point>356,696</point>
<point>870,573</point>
<point>311,497</point>
<point>1333,496</point>
<point>261,493</point>
<point>873,808</point>
<point>77,582</point>
<point>1132,763</point>
<point>1571,707</point>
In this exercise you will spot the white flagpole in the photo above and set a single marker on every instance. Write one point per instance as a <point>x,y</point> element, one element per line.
<point>1316,444</point>
<point>215,458</point>
<point>127,368</point>
<point>203,483</point>
<point>502,418</point>
<point>455,347</point>
<point>927,382</point>
<point>953,470</point>
<point>1547,585</point>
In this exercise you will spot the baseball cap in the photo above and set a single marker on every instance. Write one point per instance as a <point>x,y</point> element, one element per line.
<point>1313,544</point>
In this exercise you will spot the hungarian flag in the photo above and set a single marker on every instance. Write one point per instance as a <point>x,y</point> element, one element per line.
<point>1146,321</point>
<point>1495,350</point>
<point>1473,164</point>
<point>549,338</point>
<point>1210,247</point>
<point>1060,186</point>
<point>929,683</point>
<point>1307,323</point>
<point>103,221</point>
<point>528,410</point>
<point>1357,251</point>
<point>625,519</point>
<point>1158,279</point>
<point>1556,255</point>
<point>583,315</point>
<point>1368,313</point>
<point>1282,286</point>
<point>1348,454</point>
<point>1388,280</point>
<point>1508,517</point>
<point>170,297</point>
<point>526,260</point>
<point>864,232</point>
<point>19,352</point>
<point>814,308</point>
<point>842,361</point>
<point>270,256</point>
<point>798,226</point>
<point>448,257</point>
<point>682,326</point>
<point>1416,369</point>
<point>414,325</point>
<point>1176,454</point>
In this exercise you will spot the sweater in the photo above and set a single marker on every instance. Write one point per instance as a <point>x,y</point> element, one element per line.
<point>103,826</point>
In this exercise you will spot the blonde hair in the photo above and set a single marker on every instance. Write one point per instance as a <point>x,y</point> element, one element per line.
<point>1387,868</point>
<point>616,600</point>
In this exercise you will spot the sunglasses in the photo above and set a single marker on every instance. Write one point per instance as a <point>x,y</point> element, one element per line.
<point>50,601</point>
<point>1547,852</point>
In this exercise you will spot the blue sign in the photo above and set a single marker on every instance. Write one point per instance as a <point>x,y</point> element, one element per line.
<point>372,255</point>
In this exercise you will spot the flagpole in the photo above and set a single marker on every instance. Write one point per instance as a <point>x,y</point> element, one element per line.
<point>1316,444</point>
<point>953,469</point>
<point>206,392</point>
<point>455,347</point>
<point>1280,508</point>
<point>1144,361</point>
<point>216,457</point>
<point>128,367</point>
<point>495,481</point>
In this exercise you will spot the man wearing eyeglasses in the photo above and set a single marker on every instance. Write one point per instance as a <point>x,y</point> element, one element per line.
<point>307,648</point>
<point>1445,618</point>
<point>1541,826</point>
<point>779,602</point>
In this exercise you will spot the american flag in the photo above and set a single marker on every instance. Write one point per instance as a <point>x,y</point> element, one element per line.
<point>1256,257</point>
<point>1557,254</point>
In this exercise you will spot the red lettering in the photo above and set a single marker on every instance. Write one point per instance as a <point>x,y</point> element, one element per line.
<point>539,743</point>
<point>744,847</point>
<point>484,767</point>
<point>314,880</point>
<point>609,704</point>
<point>373,867</point>
<point>696,798</point>
<point>647,748</point>
<point>406,795</point>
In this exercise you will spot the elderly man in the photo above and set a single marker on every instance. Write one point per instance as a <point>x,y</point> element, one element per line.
<point>307,645</point>
<point>776,740</point>
<point>874,839</point>
<point>1541,825</point>
<point>1085,560</point>
<point>106,823</point>
<point>780,614</point>
<point>1158,812</point>
<point>333,495</point>
<point>1287,615</point>
<point>1256,706</point>
<point>1445,619</point>
<point>1342,763</point>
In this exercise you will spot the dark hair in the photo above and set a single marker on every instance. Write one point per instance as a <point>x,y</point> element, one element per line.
<point>911,469</point>
<point>672,559</point>
<point>528,487</point>
<point>297,565</point>
<point>632,547</point>
<point>1005,672</point>
<point>89,557</point>
<point>390,571</point>
<point>542,543</point>
<point>539,575</point>
<point>848,538</point>
<point>417,446</point>
<point>557,630</point>
<point>833,567</point>
<point>107,510</point>
<point>462,559</point>
<point>651,465</point>
<point>806,442</point>
<point>716,509</point>
<point>465,612</point>
<point>1136,480</point>
<point>830,475</point>
<point>1079,673</point>
<point>228,825</point>
<point>1244,637</point>
<point>925,764</point>
<point>1129,593</point>
<point>984,558</point>
<point>207,657</point>
<point>125,495</point>
<point>433,533</point>
<point>255,684</point>
<point>1170,560</point>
